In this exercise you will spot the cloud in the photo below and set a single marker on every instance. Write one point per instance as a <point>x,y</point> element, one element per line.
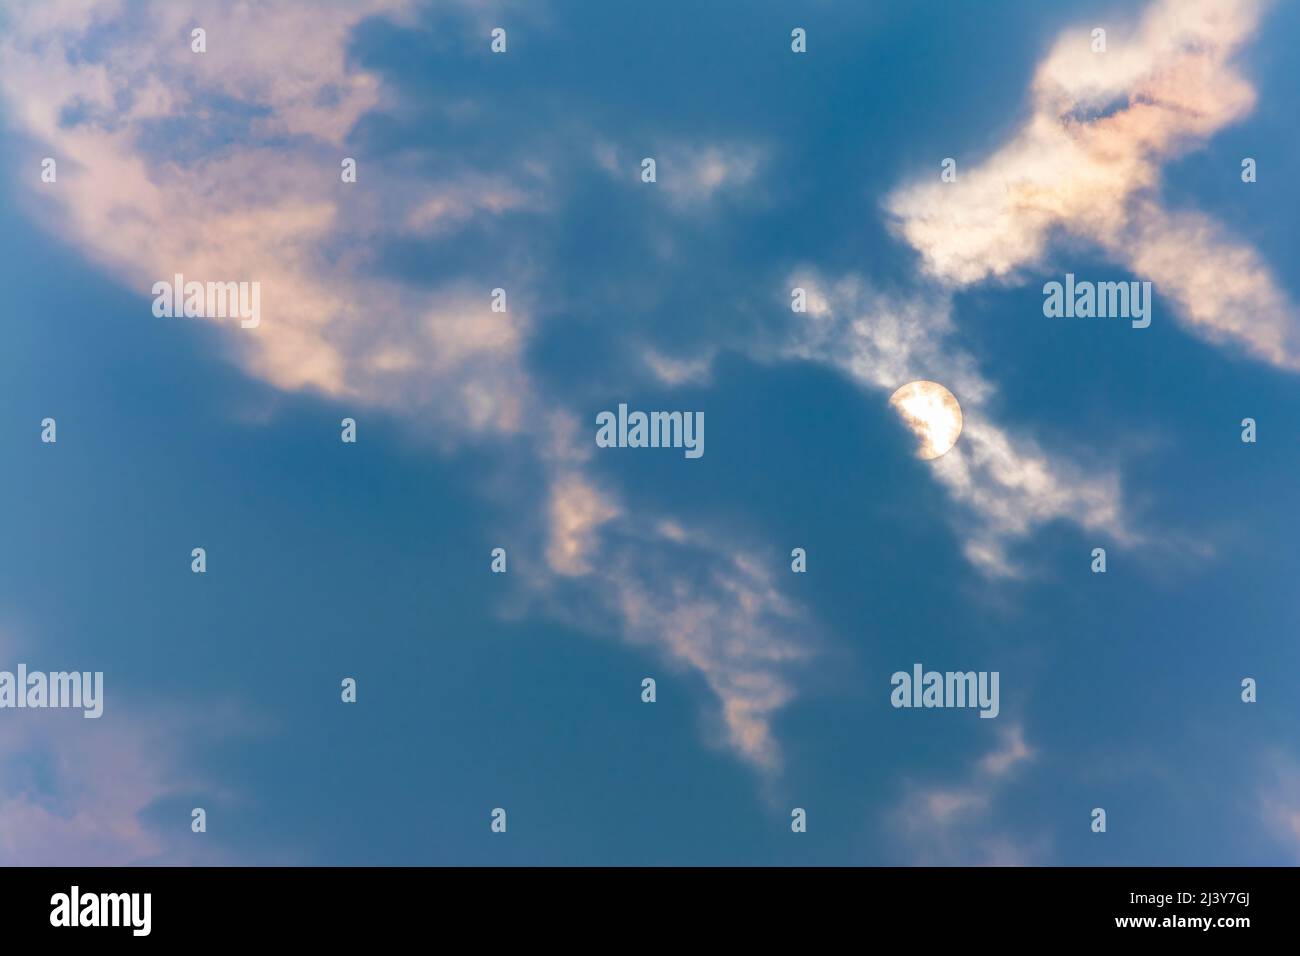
<point>1087,162</point>
<point>287,62</point>
<point>159,174</point>
<point>1279,800</point>
<point>1006,484</point>
<point>225,166</point>
<point>680,371</point>
<point>691,175</point>
<point>721,614</point>
<point>949,825</point>
<point>577,510</point>
<point>1014,752</point>
<point>704,606</point>
<point>447,208</point>
<point>77,792</point>
<point>1223,288</point>
<point>694,175</point>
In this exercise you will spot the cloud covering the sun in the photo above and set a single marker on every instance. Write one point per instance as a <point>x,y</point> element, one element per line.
<point>1005,485</point>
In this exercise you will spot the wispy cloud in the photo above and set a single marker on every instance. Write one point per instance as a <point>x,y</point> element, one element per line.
<point>704,605</point>
<point>254,193</point>
<point>84,792</point>
<point>692,175</point>
<point>1006,485</point>
<point>77,792</point>
<point>951,825</point>
<point>1279,800</point>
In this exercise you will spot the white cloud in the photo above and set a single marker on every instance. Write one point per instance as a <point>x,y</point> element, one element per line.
<point>1087,161</point>
<point>1007,485</point>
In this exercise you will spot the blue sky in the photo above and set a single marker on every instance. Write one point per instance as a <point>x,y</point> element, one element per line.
<point>476,430</point>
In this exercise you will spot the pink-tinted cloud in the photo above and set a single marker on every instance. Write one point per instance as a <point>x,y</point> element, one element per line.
<point>702,604</point>
<point>264,206</point>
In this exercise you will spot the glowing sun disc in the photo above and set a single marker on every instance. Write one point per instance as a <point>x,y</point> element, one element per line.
<point>933,415</point>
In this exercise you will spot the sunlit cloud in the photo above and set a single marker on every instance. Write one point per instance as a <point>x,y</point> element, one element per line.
<point>1005,484</point>
<point>704,605</point>
<point>1088,162</point>
<point>254,193</point>
<point>260,199</point>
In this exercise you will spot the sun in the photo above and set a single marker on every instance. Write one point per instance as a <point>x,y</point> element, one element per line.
<point>934,416</point>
